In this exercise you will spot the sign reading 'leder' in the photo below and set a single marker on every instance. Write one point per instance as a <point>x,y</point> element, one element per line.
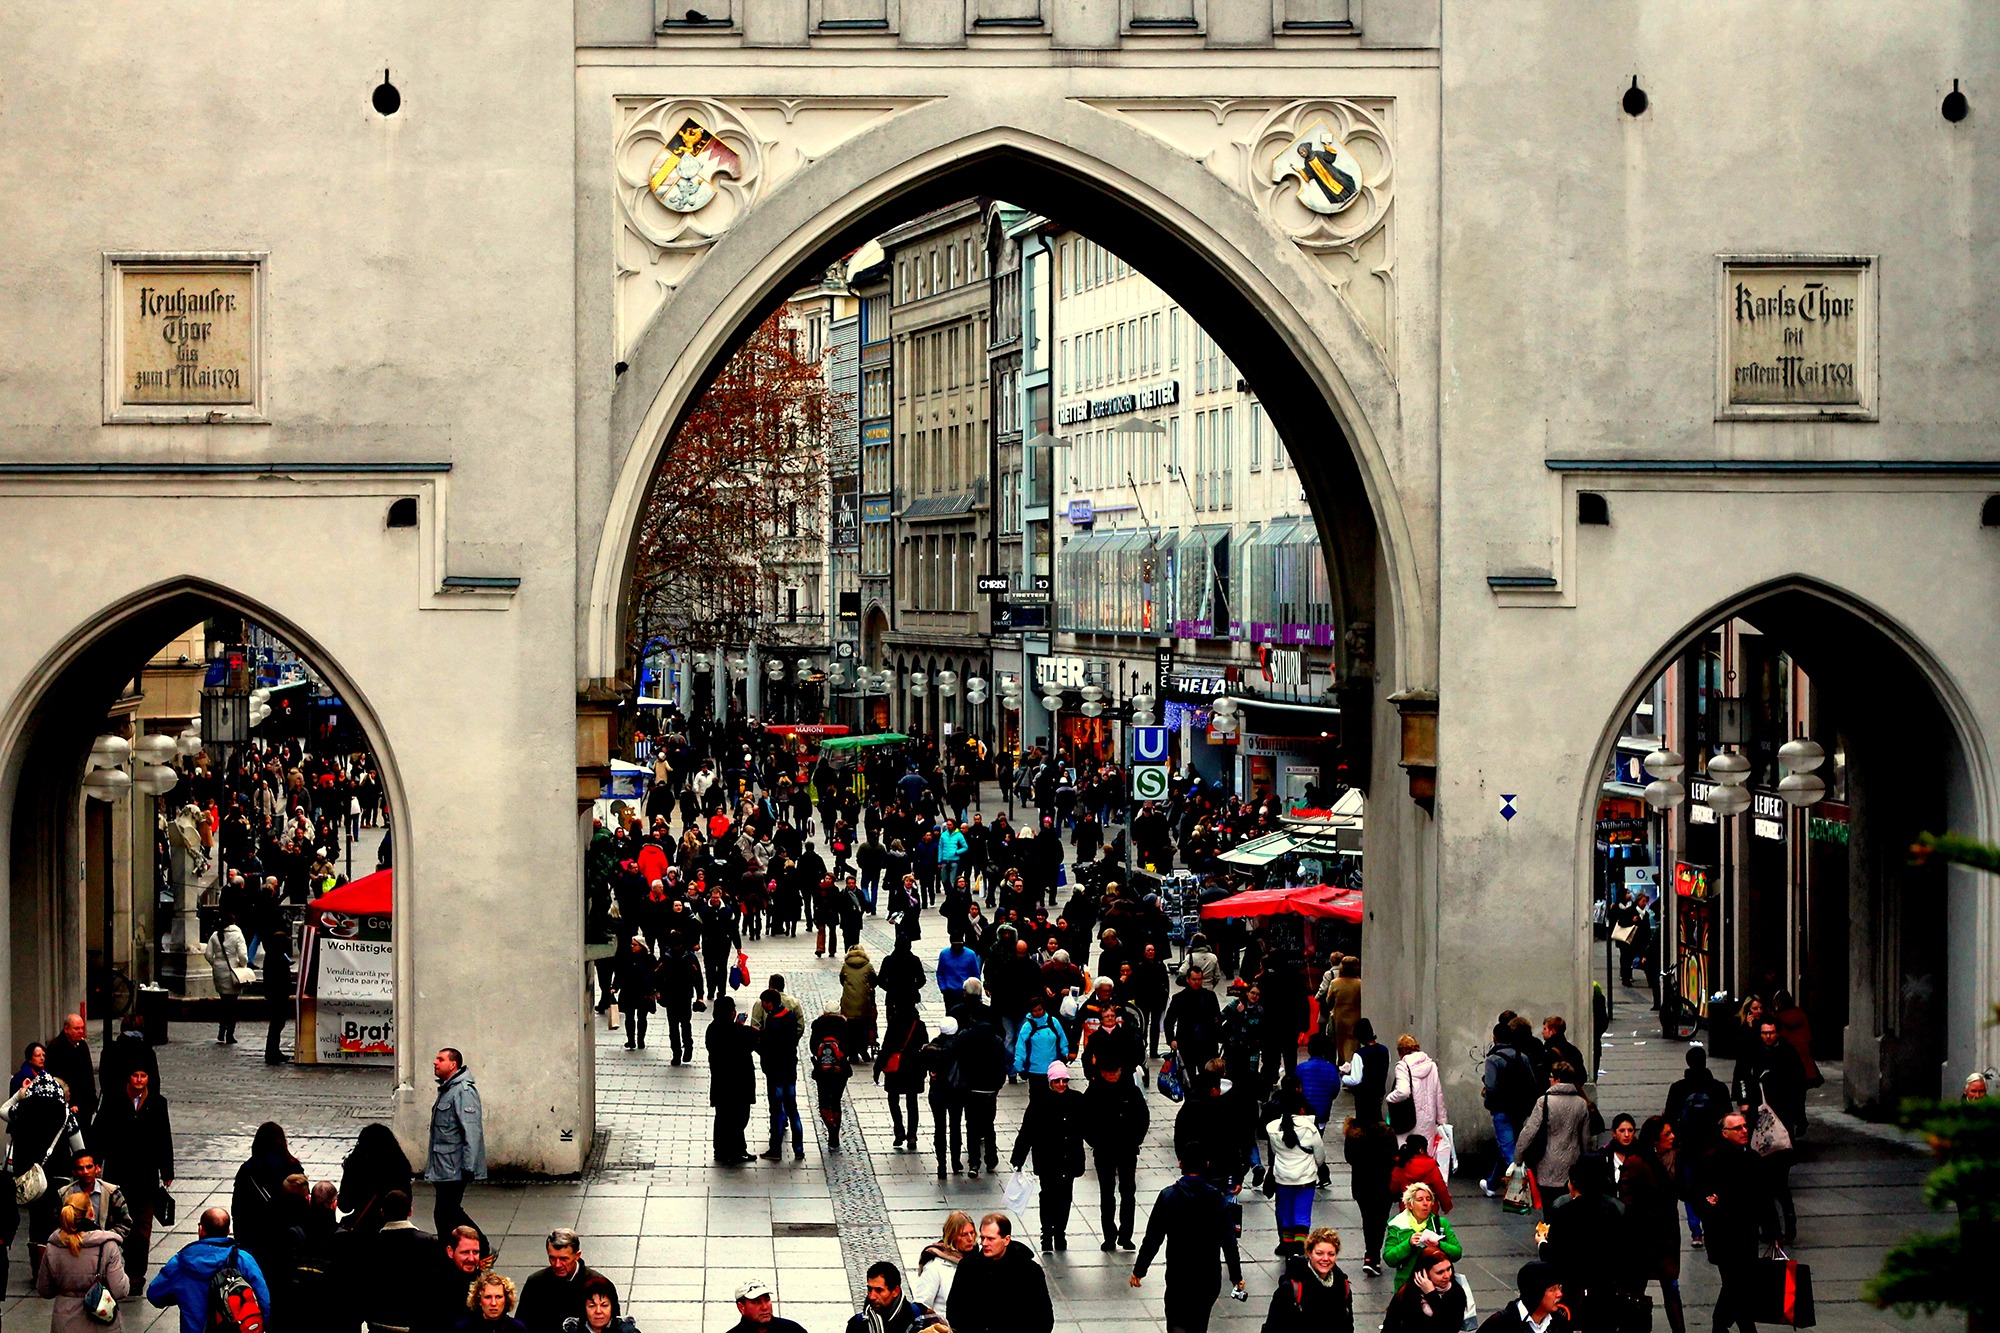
<point>1797,339</point>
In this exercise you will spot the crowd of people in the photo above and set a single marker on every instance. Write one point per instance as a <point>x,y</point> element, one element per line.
<point>1064,987</point>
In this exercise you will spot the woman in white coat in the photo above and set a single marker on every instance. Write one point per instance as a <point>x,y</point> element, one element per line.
<point>229,962</point>
<point>1296,1155</point>
<point>1417,1083</point>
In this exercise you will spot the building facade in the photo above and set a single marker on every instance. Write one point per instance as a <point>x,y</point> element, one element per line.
<point>940,314</point>
<point>388,474</point>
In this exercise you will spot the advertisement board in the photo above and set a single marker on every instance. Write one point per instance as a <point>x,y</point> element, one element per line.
<point>355,1033</point>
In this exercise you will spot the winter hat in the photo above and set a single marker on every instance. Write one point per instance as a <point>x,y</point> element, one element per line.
<point>1534,1280</point>
<point>1058,1070</point>
<point>948,1028</point>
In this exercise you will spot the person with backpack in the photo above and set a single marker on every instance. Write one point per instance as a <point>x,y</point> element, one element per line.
<point>1695,1106</point>
<point>1313,1296</point>
<point>830,1070</point>
<point>1040,1043</point>
<point>1509,1090</point>
<point>215,1282</point>
<point>81,1257</point>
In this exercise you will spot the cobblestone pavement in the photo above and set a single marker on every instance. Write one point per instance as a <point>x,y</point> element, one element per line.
<point>678,1234</point>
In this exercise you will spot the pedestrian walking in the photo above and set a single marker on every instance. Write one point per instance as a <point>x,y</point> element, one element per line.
<point>1590,1241</point>
<point>1192,1221</point>
<point>490,1307</point>
<point>402,1262</point>
<point>79,1257</point>
<point>1193,1022</point>
<point>1367,1072</point>
<point>1555,1135</point>
<point>1414,1164</point>
<point>258,1199</point>
<point>1729,1192</point>
<point>1770,1088</point>
<point>188,1279</point>
<point>885,1309</point>
<point>600,1309</point>
<point>1419,1228</point>
<point>69,1060</point>
<point>955,966</point>
<point>938,1268</point>
<point>277,995</point>
<point>554,1294</point>
<point>900,1061</point>
<point>732,1079</point>
<point>1001,1289</point>
<point>1539,1305</point>
<point>1654,1203</point>
<point>1040,1042</point>
<point>374,1168</point>
<point>1115,1119</point>
<point>1431,1301</point>
<point>1416,1097</point>
<point>947,1098</point>
<point>779,1035</point>
<point>1052,1134</point>
<point>753,1308</point>
<point>857,1002</point>
<point>635,978</point>
<point>1296,1157</point>
<point>677,983</point>
<point>831,1068</point>
<point>228,955</point>
<point>1313,1295</point>
<point>135,1133</point>
<point>458,1140</point>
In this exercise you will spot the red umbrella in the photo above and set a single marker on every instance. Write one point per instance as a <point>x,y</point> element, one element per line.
<point>1314,900</point>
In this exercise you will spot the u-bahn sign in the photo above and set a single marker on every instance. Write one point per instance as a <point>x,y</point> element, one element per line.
<point>1149,782</point>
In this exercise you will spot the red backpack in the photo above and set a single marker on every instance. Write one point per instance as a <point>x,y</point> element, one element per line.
<point>233,1306</point>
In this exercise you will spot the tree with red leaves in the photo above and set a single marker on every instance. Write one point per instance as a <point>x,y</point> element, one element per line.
<point>740,493</point>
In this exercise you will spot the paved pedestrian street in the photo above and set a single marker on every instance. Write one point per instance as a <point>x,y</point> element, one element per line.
<point>678,1234</point>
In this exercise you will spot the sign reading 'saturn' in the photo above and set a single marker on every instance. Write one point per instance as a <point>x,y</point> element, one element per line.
<point>1797,338</point>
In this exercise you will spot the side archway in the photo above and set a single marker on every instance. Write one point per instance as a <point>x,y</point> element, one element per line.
<point>1891,983</point>
<point>45,737</point>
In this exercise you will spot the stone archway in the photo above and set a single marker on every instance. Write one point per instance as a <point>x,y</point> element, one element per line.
<point>1905,999</point>
<point>45,737</point>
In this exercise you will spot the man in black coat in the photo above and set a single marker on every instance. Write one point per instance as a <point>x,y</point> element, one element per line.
<point>1052,1130</point>
<point>999,1288</point>
<point>732,1080</point>
<point>1115,1119</point>
<point>555,1293</point>
<point>1193,1025</point>
<point>1368,1073</point>
<point>1191,1219</point>
<point>135,1139</point>
<point>69,1060</point>
<point>277,993</point>
<point>901,978</point>
<point>721,938</point>
<point>778,1041</point>
<point>1770,1074</point>
<point>1728,1193</point>
<point>400,1263</point>
<point>677,982</point>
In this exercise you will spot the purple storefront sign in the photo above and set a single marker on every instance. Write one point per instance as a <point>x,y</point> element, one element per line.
<point>1193,629</point>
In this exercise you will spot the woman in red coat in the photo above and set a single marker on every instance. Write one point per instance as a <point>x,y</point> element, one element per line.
<point>1416,1166</point>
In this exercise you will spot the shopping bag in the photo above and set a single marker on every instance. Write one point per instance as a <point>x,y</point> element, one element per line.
<point>1018,1192</point>
<point>739,972</point>
<point>1520,1195</point>
<point>611,1017</point>
<point>1444,1147</point>
<point>1624,934</point>
<point>1770,1135</point>
<point>1170,1079</point>
<point>1782,1292</point>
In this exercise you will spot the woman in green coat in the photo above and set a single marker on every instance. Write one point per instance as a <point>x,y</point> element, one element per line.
<point>1418,1227</point>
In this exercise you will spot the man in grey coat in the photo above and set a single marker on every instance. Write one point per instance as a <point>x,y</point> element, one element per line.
<point>458,1140</point>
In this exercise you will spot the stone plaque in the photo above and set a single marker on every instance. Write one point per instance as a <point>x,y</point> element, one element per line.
<point>1797,337</point>
<point>184,338</point>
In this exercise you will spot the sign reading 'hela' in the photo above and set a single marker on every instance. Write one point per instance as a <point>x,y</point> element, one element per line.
<point>1797,337</point>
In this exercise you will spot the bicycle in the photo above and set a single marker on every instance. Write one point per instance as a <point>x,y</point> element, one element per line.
<point>1680,1017</point>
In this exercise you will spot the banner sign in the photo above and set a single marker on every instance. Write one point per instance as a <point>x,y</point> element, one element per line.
<point>356,1033</point>
<point>356,970</point>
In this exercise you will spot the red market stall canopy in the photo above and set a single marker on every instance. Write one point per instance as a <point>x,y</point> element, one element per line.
<point>1314,900</point>
<point>371,895</point>
<point>806,729</point>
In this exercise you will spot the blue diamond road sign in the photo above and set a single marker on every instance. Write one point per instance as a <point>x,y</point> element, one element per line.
<point>1507,810</point>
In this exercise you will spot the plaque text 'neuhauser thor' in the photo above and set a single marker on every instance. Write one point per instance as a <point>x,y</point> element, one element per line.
<point>189,336</point>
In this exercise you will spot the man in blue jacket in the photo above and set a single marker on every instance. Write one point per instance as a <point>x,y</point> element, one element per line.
<point>184,1279</point>
<point>955,966</point>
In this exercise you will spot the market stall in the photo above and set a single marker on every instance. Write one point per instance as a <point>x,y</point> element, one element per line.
<point>347,986</point>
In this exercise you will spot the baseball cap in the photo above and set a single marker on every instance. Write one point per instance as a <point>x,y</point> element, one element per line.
<point>753,1290</point>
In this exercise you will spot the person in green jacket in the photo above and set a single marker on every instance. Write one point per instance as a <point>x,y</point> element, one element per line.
<point>1419,1226</point>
